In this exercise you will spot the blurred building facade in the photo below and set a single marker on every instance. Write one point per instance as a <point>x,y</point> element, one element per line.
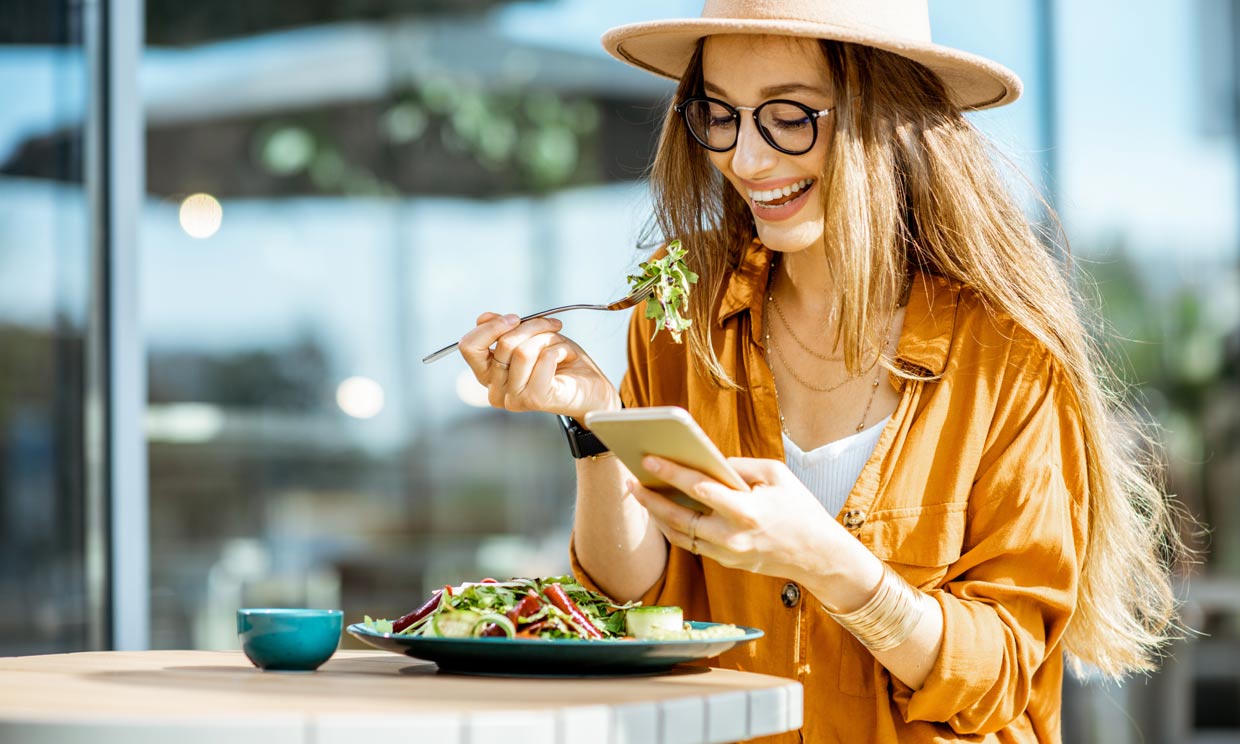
<point>334,189</point>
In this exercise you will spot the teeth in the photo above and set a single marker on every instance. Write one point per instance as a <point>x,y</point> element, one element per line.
<point>771,194</point>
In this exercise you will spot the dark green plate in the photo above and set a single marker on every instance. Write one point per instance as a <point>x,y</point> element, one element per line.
<point>527,657</point>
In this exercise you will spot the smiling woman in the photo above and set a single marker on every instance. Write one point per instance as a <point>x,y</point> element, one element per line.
<point>848,229</point>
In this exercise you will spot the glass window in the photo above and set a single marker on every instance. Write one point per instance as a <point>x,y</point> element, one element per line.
<point>332,196</point>
<point>1148,180</point>
<point>44,282</point>
<point>1139,152</point>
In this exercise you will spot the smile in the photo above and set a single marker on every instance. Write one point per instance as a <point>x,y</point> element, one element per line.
<point>774,198</point>
<point>777,205</point>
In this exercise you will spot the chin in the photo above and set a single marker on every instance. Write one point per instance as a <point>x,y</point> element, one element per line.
<point>790,239</point>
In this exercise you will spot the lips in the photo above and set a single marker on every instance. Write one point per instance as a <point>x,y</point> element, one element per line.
<point>773,205</point>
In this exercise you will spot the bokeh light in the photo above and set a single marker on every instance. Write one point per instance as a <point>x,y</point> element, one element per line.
<point>201,215</point>
<point>288,151</point>
<point>360,397</point>
<point>184,423</point>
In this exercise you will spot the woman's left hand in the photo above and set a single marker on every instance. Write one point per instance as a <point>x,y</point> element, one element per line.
<point>778,528</point>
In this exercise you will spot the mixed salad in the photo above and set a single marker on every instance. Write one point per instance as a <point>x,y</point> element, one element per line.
<point>670,278</point>
<point>548,608</point>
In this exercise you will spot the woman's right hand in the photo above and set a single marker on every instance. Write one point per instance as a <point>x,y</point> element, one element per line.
<point>534,368</point>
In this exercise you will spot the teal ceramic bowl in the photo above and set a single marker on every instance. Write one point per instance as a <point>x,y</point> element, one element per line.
<point>289,640</point>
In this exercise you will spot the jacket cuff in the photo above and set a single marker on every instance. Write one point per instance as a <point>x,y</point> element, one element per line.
<point>969,666</point>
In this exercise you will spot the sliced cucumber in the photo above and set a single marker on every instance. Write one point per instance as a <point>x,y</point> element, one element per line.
<point>452,624</point>
<point>501,621</point>
<point>649,622</point>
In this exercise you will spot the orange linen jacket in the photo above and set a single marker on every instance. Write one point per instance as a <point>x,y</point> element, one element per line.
<point>976,493</point>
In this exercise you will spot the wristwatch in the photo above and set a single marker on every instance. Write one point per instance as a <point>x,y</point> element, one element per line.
<point>581,442</point>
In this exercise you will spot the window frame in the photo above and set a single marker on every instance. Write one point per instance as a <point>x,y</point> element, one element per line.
<point>117,533</point>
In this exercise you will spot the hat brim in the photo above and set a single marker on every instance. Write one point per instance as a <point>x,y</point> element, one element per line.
<point>665,48</point>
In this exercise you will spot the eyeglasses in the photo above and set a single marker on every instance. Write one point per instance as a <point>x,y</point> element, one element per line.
<point>788,126</point>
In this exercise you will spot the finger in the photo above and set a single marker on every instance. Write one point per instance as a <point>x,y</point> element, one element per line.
<point>758,471</point>
<point>542,375</point>
<point>507,344</point>
<point>522,360</point>
<point>475,346</point>
<point>708,549</point>
<point>693,483</point>
<point>676,538</point>
<point>699,545</point>
<point>667,513</point>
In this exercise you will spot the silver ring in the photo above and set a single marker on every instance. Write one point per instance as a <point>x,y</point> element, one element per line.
<point>498,363</point>
<point>693,529</point>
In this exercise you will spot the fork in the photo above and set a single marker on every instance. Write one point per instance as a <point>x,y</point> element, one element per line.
<point>621,304</point>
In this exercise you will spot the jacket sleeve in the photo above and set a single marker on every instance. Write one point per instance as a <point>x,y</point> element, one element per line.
<point>684,569</point>
<point>1007,600</point>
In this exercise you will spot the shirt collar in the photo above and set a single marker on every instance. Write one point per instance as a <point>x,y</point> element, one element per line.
<point>746,284</point>
<point>929,321</point>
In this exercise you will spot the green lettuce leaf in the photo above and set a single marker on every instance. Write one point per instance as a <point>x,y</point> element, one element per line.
<point>670,278</point>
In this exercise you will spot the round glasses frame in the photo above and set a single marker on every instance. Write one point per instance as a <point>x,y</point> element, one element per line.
<point>682,108</point>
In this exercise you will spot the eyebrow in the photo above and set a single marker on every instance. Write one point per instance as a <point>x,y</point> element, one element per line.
<point>771,91</point>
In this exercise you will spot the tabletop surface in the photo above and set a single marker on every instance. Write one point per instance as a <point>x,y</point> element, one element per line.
<point>219,695</point>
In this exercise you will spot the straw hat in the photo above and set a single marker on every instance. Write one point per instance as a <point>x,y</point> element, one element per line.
<point>898,26</point>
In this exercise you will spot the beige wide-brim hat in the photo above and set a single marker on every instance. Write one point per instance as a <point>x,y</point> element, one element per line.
<point>898,26</point>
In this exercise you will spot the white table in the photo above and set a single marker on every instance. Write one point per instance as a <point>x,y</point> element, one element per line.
<point>371,697</point>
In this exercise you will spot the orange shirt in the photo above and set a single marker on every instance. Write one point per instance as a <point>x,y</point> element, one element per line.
<point>976,493</point>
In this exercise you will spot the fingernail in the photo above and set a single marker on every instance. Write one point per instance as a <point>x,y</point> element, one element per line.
<point>650,464</point>
<point>510,319</point>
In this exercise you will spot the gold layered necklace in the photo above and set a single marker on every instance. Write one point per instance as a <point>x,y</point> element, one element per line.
<point>783,319</point>
<point>777,352</point>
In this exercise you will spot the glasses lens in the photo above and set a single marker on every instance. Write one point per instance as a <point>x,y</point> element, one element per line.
<point>789,126</point>
<point>713,125</point>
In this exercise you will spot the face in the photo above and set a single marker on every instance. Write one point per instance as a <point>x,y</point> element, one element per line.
<point>782,190</point>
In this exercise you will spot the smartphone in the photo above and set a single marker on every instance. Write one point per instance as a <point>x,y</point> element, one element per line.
<point>668,432</point>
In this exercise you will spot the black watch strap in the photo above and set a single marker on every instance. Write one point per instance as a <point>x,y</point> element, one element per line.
<point>581,442</point>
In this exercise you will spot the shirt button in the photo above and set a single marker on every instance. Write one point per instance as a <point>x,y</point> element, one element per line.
<point>854,518</point>
<point>791,595</point>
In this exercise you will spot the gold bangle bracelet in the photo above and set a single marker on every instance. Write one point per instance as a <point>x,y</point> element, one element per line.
<point>889,617</point>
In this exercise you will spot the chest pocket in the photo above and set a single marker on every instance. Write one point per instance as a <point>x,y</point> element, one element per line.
<point>920,544</point>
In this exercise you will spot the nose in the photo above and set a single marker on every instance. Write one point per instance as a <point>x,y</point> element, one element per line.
<point>752,157</point>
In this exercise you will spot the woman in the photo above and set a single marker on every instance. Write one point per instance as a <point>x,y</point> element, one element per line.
<point>940,507</point>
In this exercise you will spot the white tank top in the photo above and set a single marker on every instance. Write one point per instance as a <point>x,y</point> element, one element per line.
<point>831,471</point>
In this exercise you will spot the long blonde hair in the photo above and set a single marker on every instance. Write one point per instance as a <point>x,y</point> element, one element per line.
<point>909,184</point>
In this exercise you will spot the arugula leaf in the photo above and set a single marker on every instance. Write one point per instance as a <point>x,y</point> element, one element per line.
<point>670,277</point>
<point>481,603</point>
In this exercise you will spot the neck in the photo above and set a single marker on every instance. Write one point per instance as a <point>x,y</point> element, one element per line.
<point>803,280</point>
